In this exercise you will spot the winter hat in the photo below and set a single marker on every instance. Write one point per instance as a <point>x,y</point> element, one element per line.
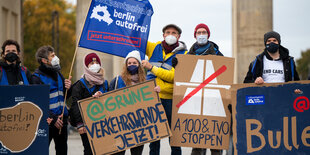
<point>272,34</point>
<point>174,26</point>
<point>201,25</point>
<point>90,58</point>
<point>133,54</point>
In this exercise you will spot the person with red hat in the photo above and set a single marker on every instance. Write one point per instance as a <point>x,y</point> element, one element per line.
<point>203,46</point>
<point>91,84</point>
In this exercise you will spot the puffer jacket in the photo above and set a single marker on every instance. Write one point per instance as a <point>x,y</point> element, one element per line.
<point>164,77</point>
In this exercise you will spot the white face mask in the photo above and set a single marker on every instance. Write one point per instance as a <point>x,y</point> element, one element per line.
<point>202,39</point>
<point>55,63</point>
<point>170,39</point>
<point>94,68</point>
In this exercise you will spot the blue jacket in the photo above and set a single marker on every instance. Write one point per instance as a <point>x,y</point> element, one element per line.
<point>117,83</point>
<point>4,79</point>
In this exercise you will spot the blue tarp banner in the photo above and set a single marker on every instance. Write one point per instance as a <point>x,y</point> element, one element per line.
<point>23,114</point>
<point>117,26</point>
<point>273,120</point>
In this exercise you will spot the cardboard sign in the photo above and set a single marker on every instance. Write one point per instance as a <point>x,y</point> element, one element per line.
<point>23,113</point>
<point>271,119</point>
<point>124,118</point>
<point>200,115</point>
<point>117,26</point>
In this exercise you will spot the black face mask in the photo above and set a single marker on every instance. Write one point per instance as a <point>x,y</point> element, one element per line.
<point>11,57</point>
<point>133,69</point>
<point>272,47</point>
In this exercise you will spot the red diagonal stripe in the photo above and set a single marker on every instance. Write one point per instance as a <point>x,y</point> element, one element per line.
<point>203,84</point>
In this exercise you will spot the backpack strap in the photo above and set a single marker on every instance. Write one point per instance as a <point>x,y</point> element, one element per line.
<point>0,73</point>
<point>106,86</point>
<point>292,69</point>
<point>253,68</point>
<point>116,83</point>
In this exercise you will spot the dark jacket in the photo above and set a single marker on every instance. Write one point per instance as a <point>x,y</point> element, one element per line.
<point>79,92</point>
<point>212,49</point>
<point>257,66</point>
<point>13,73</point>
<point>49,72</point>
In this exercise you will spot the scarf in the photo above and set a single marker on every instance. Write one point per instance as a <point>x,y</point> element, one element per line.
<point>169,48</point>
<point>92,77</point>
<point>200,49</point>
<point>134,79</point>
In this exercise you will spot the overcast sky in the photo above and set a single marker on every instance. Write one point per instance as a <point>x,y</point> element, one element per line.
<point>290,19</point>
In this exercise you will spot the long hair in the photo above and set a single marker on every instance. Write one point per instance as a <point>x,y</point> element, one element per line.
<point>126,76</point>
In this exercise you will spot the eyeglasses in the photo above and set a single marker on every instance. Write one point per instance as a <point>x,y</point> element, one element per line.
<point>201,32</point>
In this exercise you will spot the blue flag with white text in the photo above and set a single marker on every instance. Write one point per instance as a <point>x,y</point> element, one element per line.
<point>117,26</point>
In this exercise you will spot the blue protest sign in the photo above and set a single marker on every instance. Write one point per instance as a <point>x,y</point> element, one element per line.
<point>117,26</point>
<point>23,114</point>
<point>273,120</point>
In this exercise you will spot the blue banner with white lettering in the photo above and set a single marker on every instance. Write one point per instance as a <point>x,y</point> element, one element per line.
<point>117,26</point>
<point>23,114</point>
<point>273,120</point>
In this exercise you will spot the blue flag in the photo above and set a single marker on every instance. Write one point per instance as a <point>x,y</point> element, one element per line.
<point>117,26</point>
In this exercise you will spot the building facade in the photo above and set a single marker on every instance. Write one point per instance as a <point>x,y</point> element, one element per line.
<point>11,20</point>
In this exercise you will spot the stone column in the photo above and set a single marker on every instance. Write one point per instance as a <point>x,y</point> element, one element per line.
<point>112,64</point>
<point>251,19</point>
<point>10,19</point>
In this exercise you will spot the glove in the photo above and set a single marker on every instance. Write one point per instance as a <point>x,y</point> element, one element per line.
<point>174,62</point>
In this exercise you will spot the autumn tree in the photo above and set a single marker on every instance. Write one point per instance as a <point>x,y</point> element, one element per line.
<point>303,64</point>
<point>37,28</point>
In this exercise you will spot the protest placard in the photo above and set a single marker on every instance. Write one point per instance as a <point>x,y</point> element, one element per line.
<point>124,118</point>
<point>200,114</point>
<point>271,119</point>
<point>23,113</point>
<point>117,26</point>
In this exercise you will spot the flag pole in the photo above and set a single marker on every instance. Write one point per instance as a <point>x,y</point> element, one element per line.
<point>73,60</point>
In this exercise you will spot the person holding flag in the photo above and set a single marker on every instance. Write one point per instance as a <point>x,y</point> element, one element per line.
<point>161,67</point>
<point>48,73</point>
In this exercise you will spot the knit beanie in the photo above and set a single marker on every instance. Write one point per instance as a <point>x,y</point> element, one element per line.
<point>201,25</point>
<point>90,58</point>
<point>133,54</point>
<point>272,34</point>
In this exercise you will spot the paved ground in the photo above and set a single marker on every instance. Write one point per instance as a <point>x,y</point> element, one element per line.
<point>76,147</point>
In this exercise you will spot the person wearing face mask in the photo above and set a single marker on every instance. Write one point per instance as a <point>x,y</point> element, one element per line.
<point>91,84</point>
<point>161,68</point>
<point>11,71</point>
<point>132,73</point>
<point>203,46</point>
<point>48,73</point>
<point>274,65</point>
